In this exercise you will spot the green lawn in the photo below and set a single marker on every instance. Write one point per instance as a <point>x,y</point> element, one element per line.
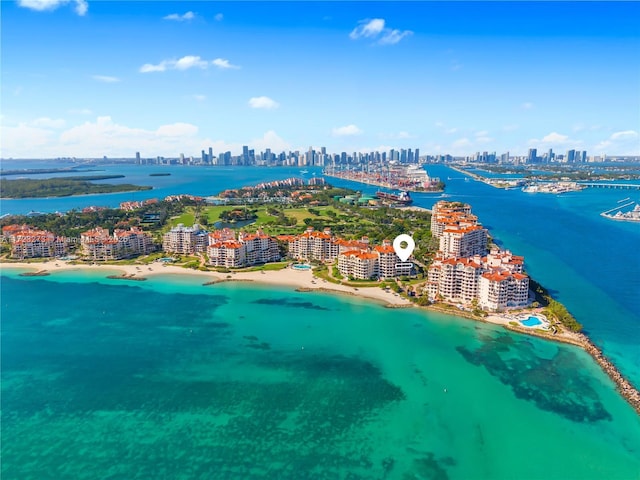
<point>264,220</point>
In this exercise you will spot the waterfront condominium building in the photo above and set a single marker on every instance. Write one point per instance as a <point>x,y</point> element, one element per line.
<point>445,213</point>
<point>28,242</point>
<point>454,279</point>
<point>387,260</point>
<point>463,271</point>
<point>249,249</point>
<point>185,240</point>
<point>503,289</point>
<point>458,231</point>
<point>313,245</point>
<point>358,264</point>
<point>380,262</point>
<point>98,245</point>
<point>463,241</point>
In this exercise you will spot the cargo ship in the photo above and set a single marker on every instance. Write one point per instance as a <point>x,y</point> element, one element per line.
<point>403,197</point>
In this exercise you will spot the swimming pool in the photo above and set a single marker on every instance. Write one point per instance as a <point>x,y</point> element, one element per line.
<point>301,266</point>
<point>531,322</point>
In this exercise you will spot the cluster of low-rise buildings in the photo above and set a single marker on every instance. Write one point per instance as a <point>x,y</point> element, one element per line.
<point>356,259</point>
<point>223,247</point>
<point>464,271</point>
<point>96,244</point>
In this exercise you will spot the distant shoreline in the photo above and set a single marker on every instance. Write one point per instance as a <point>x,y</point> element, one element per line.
<point>305,281</point>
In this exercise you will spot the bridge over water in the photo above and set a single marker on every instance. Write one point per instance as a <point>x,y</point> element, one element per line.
<point>619,186</point>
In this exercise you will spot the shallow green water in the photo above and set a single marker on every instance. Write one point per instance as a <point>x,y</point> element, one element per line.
<point>171,379</point>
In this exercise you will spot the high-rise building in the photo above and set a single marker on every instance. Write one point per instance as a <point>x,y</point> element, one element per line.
<point>210,159</point>
<point>571,156</point>
<point>533,155</point>
<point>138,158</point>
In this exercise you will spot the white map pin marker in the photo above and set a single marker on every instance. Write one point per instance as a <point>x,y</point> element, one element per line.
<point>406,252</point>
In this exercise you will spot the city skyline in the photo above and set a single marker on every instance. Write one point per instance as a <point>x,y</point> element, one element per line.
<point>93,79</point>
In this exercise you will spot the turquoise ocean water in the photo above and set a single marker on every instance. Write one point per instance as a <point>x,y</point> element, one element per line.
<point>198,382</point>
<point>171,379</point>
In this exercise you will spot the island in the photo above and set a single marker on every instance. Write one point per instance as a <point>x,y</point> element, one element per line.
<point>311,236</point>
<point>63,187</point>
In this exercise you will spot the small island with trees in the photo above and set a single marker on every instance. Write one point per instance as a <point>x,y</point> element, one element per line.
<point>63,186</point>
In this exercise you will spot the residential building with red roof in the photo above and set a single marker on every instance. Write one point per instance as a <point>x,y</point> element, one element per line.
<point>314,245</point>
<point>185,240</point>
<point>358,264</point>
<point>463,270</point>
<point>28,242</point>
<point>249,249</point>
<point>98,245</point>
<point>503,289</point>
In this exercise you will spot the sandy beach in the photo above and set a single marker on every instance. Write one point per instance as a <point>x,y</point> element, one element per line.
<point>298,279</point>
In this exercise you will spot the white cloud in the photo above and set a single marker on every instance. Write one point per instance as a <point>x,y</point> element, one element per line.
<point>149,68</point>
<point>263,102</point>
<point>218,17</point>
<point>181,18</point>
<point>484,139</point>
<point>347,130</point>
<point>185,63</point>
<point>510,128</point>
<point>624,142</point>
<point>625,134</point>
<point>554,139</point>
<point>375,28</point>
<point>527,106</point>
<point>223,64</point>
<point>81,6</point>
<point>482,133</point>
<point>46,122</point>
<point>177,130</point>
<point>270,140</point>
<point>105,78</point>
<point>103,136</point>
<point>439,124</point>
<point>367,28</point>
<point>190,61</point>
<point>449,131</point>
<point>391,37</point>
<point>199,98</point>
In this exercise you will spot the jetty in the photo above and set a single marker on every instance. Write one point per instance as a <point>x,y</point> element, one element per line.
<point>126,276</point>
<point>628,391</point>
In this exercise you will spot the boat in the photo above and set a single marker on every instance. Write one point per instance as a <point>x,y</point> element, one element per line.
<point>402,197</point>
<point>304,171</point>
<point>631,216</point>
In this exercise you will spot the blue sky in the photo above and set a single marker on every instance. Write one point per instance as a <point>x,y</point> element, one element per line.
<point>93,78</point>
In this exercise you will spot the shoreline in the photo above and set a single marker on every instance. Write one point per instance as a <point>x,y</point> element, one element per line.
<point>305,281</point>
